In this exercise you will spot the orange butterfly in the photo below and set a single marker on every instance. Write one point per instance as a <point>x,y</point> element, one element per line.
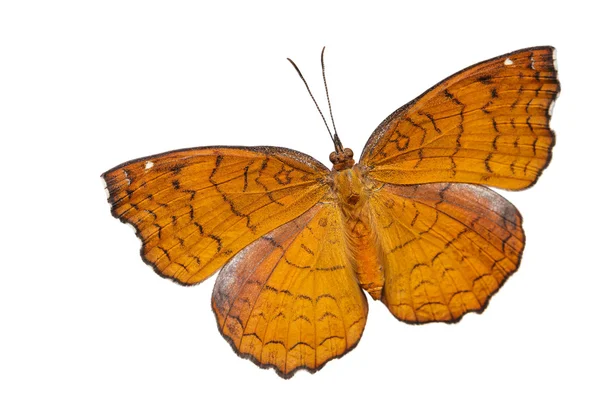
<point>412,223</point>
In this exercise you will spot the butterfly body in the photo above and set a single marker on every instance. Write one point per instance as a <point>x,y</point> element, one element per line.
<point>352,189</point>
<point>412,223</point>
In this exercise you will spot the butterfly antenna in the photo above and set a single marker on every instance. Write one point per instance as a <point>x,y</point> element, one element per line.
<point>337,148</point>
<point>336,139</point>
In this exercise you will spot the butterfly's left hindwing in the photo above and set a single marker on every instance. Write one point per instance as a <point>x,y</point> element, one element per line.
<point>446,248</point>
<point>290,300</point>
<point>194,209</point>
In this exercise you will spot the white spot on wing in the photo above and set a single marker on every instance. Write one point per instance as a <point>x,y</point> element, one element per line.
<point>551,107</point>
<point>508,61</point>
<point>105,188</point>
<point>127,177</point>
<point>149,164</point>
<point>554,60</point>
<point>132,227</point>
<point>532,62</point>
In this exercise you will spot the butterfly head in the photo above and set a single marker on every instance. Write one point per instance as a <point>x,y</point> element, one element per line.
<point>342,160</point>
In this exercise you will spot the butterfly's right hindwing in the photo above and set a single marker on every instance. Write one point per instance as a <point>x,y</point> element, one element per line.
<point>290,300</point>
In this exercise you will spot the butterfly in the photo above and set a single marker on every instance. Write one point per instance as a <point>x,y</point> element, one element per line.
<point>412,223</point>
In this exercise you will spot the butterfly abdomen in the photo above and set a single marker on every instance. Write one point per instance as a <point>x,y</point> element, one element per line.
<point>352,192</point>
<point>362,244</point>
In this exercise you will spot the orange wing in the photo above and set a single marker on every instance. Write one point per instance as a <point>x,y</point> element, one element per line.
<point>290,300</point>
<point>194,209</point>
<point>447,248</point>
<point>488,124</point>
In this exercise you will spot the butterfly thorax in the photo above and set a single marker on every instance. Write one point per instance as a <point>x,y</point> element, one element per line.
<point>352,191</point>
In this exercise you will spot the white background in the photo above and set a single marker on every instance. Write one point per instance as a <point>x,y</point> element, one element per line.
<point>87,85</point>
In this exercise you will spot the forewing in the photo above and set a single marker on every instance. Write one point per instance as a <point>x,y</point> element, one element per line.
<point>194,209</point>
<point>487,124</point>
<point>290,300</point>
<point>447,248</point>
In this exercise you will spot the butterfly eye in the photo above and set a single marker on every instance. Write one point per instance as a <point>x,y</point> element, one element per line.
<point>333,157</point>
<point>348,153</point>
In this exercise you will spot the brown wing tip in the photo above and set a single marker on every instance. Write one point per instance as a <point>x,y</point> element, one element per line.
<point>551,59</point>
<point>112,185</point>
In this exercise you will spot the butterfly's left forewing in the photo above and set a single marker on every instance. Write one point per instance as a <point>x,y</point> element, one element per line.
<point>194,209</point>
<point>488,124</point>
